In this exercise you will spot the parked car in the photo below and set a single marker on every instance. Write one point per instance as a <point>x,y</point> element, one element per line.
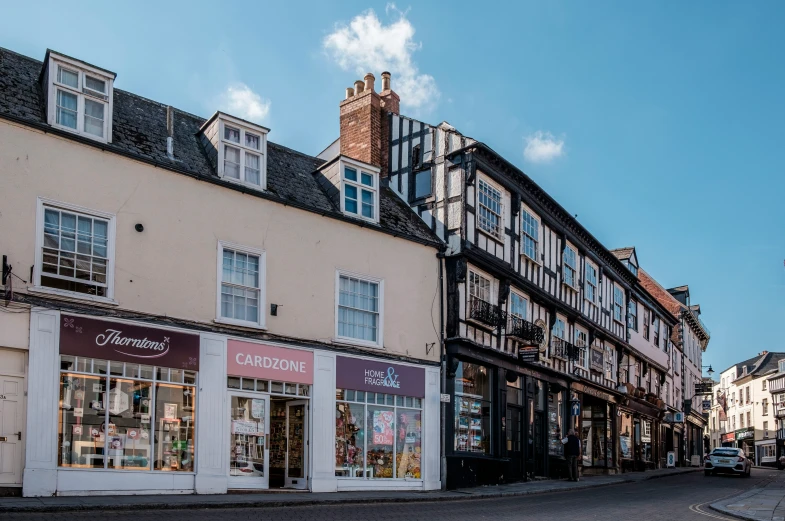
<point>727,460</point>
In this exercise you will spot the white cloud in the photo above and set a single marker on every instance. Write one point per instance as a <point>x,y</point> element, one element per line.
<point>543,147</point>
<point>367,45</point>
<point>239,100</point>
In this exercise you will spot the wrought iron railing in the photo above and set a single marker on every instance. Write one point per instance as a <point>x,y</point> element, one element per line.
<point>525,331</point>
<point>566,349</point>
<point>486,313</point>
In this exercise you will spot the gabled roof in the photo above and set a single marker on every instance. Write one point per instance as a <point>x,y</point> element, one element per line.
<point>139,131</point>
<point>623,253</point>
<point>758,365</point>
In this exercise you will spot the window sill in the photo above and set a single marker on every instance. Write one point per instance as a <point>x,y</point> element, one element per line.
<point>356,342</point>
<point>535,261</point>
<point>491,235</point>
<point>240,323</point>
<point>258,188</point>
<point>72,295</point>
<point>565,283</point>
<point>83,134</point>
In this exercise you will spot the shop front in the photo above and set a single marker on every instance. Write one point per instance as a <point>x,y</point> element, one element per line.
<point>639,432</point>
<point>766,453</point>
<point>745,440</point>
<point>505,422</point>
<point>380,425</point>
<point>596,426</point>
<point>269,391</point>
<point>112,407</point>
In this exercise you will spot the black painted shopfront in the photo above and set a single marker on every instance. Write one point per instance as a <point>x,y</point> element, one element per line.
<point>640,445</point>
<point>505,421</point>
<point>596,427</point>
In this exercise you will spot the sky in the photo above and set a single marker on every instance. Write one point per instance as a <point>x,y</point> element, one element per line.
<point>660,124</point>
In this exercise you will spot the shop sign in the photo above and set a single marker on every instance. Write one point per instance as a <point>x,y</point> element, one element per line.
<point>706,406</point>
<point>744,434</point>
<point>731,436</point>
<point>121,342</point>
<point>269,362</point>
<point>246,427</point>
<point>597,359</point>
<point>379,377</point>
<point>585,389</point>
<point>529,354</point>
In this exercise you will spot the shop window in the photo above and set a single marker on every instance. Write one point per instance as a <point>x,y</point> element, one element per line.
<point>377,435</point>
<point>120,416</point>
<point>472,408</point>
<point>625,438</point>
<point>555,423</point>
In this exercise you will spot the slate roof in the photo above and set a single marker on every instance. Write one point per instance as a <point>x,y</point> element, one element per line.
<point>139,131</point>
<point>758,365</point>
<point>623,253</point>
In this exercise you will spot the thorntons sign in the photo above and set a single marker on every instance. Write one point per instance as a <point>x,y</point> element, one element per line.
<point>380,377</point>
<point>88,337</point>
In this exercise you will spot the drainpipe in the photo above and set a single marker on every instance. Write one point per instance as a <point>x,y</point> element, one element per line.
<point>443,406</point>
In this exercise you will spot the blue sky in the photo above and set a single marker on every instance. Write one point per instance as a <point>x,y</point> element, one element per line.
<point>659,123</point>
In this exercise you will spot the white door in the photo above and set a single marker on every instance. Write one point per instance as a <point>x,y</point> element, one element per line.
<point>297,444</point>
<point>11,409</point>
<point>249,450</point>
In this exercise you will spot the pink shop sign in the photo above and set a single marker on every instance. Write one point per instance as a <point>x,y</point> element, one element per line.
<point>269,362</point>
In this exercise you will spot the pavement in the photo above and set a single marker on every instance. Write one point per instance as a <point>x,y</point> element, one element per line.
<point>763,503</point>
<point>300,499</point>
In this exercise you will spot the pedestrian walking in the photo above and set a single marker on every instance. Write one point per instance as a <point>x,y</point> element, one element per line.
<point>572,449</point>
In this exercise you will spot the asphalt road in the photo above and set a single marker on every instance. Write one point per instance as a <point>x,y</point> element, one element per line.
<point>671,499</point>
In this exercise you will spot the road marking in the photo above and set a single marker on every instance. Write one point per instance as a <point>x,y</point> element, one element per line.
<point>697,509</point>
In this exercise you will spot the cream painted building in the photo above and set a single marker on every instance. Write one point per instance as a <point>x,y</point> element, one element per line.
<point>196,296</point>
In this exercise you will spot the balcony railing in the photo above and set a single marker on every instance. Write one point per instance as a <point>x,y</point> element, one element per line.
<point>565,349</point>
<point>525,331</point>
<point>780,434</point>
<point>779,410</point>
<point>486,313</point>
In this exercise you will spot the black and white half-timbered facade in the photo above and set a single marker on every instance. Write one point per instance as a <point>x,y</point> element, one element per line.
<point>536,326</point>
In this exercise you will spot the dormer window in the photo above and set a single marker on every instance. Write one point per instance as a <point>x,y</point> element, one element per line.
<point>237,149</point>
<point>79,97</point>
<point>359,190</point>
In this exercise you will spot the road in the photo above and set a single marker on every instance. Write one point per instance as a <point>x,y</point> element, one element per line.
<point>670,499</point>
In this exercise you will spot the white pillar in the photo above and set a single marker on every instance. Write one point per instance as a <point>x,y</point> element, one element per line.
<point>431,464</point>
<point>323,424</point>
<point>40,475</point>
<point>212,425</point>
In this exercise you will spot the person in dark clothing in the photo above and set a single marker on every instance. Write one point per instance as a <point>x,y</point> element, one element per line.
<point>572,449</point>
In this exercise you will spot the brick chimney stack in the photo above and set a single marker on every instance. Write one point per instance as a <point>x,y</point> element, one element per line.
<point>365,126</point>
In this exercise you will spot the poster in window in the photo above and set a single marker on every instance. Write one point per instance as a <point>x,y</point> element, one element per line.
<point>170,411</point>
<point>383,427</point>
<point>626,449</point>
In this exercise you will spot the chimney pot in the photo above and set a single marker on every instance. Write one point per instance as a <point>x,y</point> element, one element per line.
<point>385,81</point>
<point>349,92</point>
<point>369,79</point>
<point>358,86</point>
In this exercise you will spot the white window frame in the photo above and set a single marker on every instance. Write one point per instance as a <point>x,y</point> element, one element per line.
<point>261,323</point>
<point>499,234</point>
<point>588,282</point>
<point>81,92</point>
<point>41,204</point>
<point>525,304</point>
<point>564,328</point>
<point>567,266</point>
<point>492,288</point>
<point>380,329</point>
<point>618,291</point>
<point>583,350</point>
<point>225,120</point>
<point>361,168</point>
<point>525,235</point>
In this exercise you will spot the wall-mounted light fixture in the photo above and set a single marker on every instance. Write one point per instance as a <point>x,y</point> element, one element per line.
<point>139,227</point>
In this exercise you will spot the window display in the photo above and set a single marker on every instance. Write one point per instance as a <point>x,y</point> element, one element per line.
<point>472,408</point>
<point>555,419</point>
<point>625,438</point>
<point>377,435</point>
<point>246,458</point>
<point>117,415</point>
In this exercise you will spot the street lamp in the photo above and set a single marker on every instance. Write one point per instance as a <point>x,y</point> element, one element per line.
<point>710,371</point>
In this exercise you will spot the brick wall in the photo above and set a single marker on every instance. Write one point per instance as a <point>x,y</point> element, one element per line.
<point>365,127</point>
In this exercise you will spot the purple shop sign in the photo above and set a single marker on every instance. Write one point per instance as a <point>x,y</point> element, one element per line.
<point>379,377</point>
<point>121,342</point>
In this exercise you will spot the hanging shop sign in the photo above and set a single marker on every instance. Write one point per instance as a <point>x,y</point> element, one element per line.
<point>122,342</point>
<point>706,406</point>
<point>379,377</point>
<point>529,354</point>
<point>597,359</point>
<point>703,388</point>
<point>269,362</point>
